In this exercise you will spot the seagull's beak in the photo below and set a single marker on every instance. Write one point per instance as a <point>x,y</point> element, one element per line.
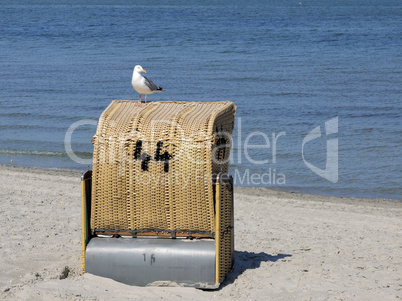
<point>143,71</point>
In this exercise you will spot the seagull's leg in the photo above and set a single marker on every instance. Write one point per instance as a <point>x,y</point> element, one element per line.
<point>140,97</point>
<point>146,98</point>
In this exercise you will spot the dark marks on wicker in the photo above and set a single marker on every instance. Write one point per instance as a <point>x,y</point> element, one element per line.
<point>138,148</point>
<point>159,156</point>
<point>145,158</point>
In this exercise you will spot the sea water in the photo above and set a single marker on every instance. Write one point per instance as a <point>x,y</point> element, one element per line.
<point>317,84</point>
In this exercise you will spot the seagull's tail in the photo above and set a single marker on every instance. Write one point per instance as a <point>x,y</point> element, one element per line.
<point>160,89</point>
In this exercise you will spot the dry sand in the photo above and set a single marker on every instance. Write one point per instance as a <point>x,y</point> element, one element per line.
<point>288,246</point>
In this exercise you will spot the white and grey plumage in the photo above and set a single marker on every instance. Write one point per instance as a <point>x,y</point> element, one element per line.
<point>142,84</point>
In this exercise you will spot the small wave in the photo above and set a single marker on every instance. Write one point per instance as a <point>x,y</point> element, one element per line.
<point>376,114</point>
<point>15,114</point>
<point>14,152</point>
<point>24,127</point>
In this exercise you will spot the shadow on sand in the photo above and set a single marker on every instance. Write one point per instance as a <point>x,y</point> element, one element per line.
<point>247,261</point>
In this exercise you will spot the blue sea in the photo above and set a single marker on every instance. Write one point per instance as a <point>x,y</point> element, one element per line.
<point>317,84</point>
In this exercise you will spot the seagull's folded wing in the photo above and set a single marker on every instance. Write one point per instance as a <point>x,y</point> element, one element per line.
<point>150,84</point>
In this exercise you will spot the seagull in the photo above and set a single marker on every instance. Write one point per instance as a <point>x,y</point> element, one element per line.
<point>142,84</point>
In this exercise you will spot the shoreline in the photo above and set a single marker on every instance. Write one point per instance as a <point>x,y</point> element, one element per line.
<point>258,191</point>
<point>288,246</point>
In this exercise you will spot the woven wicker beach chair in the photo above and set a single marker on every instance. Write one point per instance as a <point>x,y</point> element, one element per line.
<point>158,205</point>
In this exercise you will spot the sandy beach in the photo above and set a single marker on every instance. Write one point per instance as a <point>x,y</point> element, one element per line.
<point>289,246</point>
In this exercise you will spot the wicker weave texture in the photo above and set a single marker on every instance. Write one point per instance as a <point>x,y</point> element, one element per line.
<point>153,164</point>
<point>225,247</point>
